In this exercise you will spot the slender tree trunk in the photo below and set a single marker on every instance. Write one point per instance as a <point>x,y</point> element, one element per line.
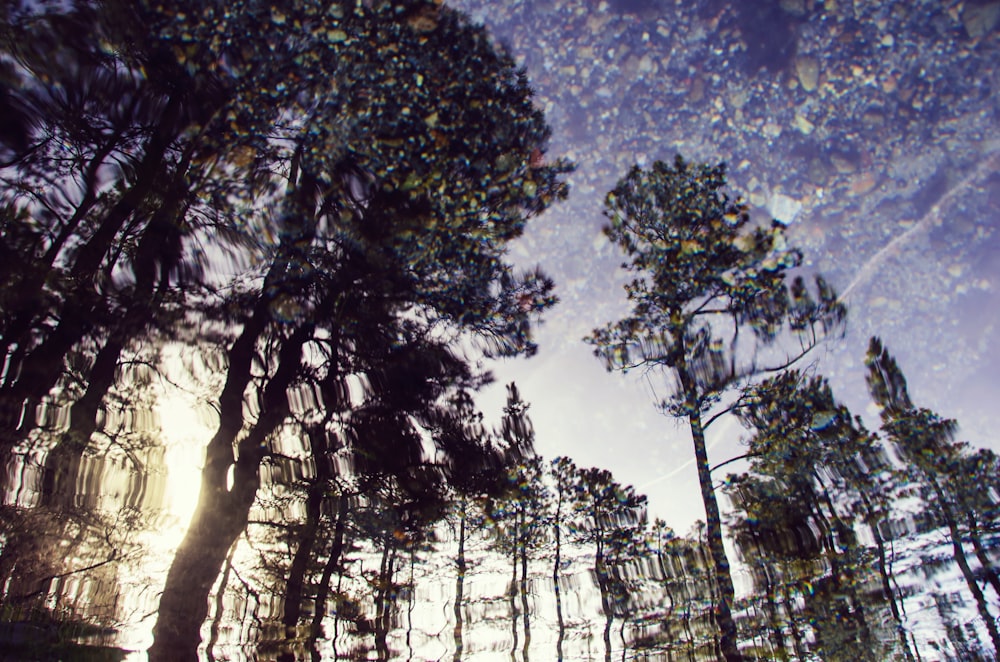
<point>557,562</point>
<point>601,574</point>
<point>297,571</point>
<point>849,568</point>
<point>460,581</point>
<point>726,594</point>
<point>793,622</point>
<point>872,520</point>
<point>323,591</point>
<point>687,629</point>
<point>409,604</point>
<point>984,560</point>
<point>512,593</point>
<point>383,606</point>
<point>525,610</point>
<point>670,597</point>
<point>776,635</point>
<point>316,493</point>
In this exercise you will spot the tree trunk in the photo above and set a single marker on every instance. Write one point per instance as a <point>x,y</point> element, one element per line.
<point>222,513</point>
<point>316,492</point>
<point>555,577</point>
<point>963,563</point>
<point>726,595</point>
<point>670,596</point>
<point>332,562</point>
<point>460,581</point>
<point>512,593</point>
<point>984,560</point>
<point>383,607</point>
<point>525,611</point>
<point>849,567</point>
<point>93,251</point>
<point>871,519</point>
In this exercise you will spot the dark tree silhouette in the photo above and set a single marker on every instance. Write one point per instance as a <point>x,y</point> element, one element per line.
<point>403,183</point>
<point>519,513</point>
<point>100,210</point>
<point>566,478</point>
<point>476,469</point>
<point>703,278</point>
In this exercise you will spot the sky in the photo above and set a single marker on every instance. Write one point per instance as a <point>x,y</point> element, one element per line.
<point>867,127</point>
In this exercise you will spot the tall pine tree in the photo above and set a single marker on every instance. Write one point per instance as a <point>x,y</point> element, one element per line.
<point>708,294</point>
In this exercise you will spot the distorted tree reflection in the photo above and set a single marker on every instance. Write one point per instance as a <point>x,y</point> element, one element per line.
<point>702,275</point>
<point>401,187</point>
<point>812,446</point>
<point>820,484</point>
<point>98,264</point>
<point>610,518</point>
<point>102,207</point>
<point>518,513</point>
<point>477,468</point>
<point>935,461</point>
<point>319,218</point>
<point>799,429</point>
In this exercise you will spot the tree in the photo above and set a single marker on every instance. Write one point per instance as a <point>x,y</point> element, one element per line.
<point>925,442</point>
<point>772,531</point>
<point>703,278</point>
<point>566,478</point>
<point>406,163</point>
<point>476,468</point>
<point>519,512</point>
<point>811,448</point>
<point>612,518</point>
<point>102,204</point>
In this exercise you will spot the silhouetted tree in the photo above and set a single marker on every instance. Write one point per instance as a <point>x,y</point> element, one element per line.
<point>567,492</point>
<point>476,469</point>
<point>809,444</point>
<point>702,279</point>
<point>405,176</point>
<point>519,514</point>
<point>101,207</point>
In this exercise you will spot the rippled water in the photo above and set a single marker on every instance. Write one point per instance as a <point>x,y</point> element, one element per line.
<point>392,520</point>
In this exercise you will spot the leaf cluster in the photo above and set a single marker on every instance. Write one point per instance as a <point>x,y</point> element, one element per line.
<point>703,276</point>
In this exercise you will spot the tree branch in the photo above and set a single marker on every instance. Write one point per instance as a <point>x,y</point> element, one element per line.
<point>731,460</point>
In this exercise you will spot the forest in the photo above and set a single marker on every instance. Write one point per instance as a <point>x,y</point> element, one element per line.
<point>309,232</point>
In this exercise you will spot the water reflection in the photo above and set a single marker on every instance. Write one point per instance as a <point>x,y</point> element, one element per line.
<point>307,235</point>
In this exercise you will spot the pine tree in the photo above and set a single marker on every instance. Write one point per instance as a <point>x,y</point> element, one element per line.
<point>703,278</point>
<point>810,446</point>
<point>405,168</point>
<point>926,443</point>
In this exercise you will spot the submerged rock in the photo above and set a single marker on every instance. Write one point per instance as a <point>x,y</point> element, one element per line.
<point>807,70</point>
<point>981,18</point>
<point>784,208</point>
